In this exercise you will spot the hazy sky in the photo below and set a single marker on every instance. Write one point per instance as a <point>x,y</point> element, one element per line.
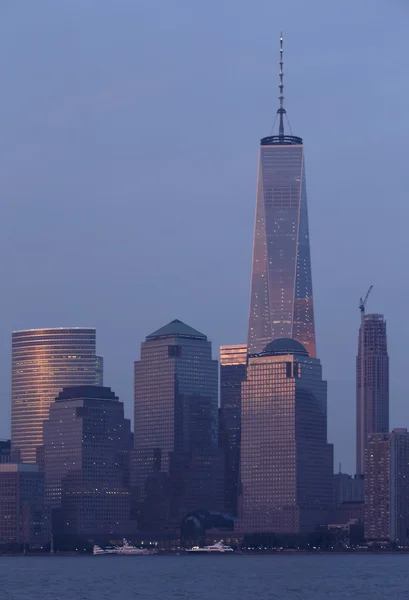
<point>128,152</point>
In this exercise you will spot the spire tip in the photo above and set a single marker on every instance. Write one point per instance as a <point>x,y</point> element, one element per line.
<point>281,110</point>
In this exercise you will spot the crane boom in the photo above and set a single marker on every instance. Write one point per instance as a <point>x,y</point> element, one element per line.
<point>362,302</point>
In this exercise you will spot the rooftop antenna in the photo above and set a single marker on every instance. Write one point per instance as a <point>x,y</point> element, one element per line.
<point>281,111</point>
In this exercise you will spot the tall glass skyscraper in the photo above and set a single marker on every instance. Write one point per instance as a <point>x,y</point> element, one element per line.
<point>233,368</point>
<point>178,465</point>
<point>44,361</point>
<point>87,445</point>
<point>281,303</point>
<point>286,461</point>
<point>372,384</point>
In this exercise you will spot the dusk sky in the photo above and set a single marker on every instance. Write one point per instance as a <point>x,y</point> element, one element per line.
<point>130,133</point>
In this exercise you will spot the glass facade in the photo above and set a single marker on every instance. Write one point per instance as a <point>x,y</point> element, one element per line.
<point>43,362</point>
<point>286,462</point>
<point>233,361</point>
<point>86,461</point>
<point>176,419</point>
<point>372,383</point>
<point>281,303</point>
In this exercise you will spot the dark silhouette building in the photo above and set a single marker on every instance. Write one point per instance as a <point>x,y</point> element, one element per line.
<point>348,488</point>
<point>286,461</point>
<point>24,518</point>
<point>177,464</point>
<point>387,487</point>
<point>233,360</point>
<point>281,302</point>
<point>5,451</point>
<point>86,457</point>
<point>372,384</point>
<point>44,361</point>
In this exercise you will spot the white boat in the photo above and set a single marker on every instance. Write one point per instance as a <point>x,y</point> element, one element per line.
<point>128,549</point>
<point>125,550</point>
<point>219,547</point>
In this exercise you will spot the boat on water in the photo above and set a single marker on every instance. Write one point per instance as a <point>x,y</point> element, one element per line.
<point>217,548</point>
<point>125,550</point>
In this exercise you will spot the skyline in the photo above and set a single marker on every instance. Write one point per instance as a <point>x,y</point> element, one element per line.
<point>45,129</point>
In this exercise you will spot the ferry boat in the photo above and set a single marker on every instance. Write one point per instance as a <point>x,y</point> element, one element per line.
<point>125,550</point>
<point>128,549</point>
<point>219,547</point>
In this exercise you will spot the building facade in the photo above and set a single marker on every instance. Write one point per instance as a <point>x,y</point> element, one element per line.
<point>86,458</point>
<point>43,362</point>
<point>24,518</point>
<point>372,384</point>
<point>233,362</point>
<point>281,302</point>
<point>177,465</point>
<point>286,461</point>
<point>348,488</point>
<point>5,451</point>
<point>387,487</point>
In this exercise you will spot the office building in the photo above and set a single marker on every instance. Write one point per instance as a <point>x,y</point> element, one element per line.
<point>286,461</point>
<point>233,360</point>
<point>24,518</point>
<point>348,488</point>
<point>348,511</point>
<point>86,457</point>
<point>43,362</point>
<point>281,302</point>
<point>387,487</point>
<point>177,463</point>
<point>372,384</point>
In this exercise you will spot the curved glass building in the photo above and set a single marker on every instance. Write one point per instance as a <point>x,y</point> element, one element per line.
<point>44,361</point>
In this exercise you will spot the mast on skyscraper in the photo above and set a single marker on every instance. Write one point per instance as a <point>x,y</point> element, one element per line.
<point>281,299</point>
<point>281,111</point>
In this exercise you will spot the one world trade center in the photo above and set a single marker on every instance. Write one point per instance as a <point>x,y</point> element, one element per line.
<point>281,303</point>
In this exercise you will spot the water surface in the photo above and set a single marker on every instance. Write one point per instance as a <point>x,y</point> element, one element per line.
<point>299,577</point>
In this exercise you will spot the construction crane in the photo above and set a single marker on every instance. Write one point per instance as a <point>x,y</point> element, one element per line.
<point>360,461</point>
<point>362,303</point>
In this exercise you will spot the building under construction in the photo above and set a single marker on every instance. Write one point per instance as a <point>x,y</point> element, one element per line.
<point>372,382</point>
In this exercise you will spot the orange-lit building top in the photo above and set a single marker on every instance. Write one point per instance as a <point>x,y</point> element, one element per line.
<point>44,361</point>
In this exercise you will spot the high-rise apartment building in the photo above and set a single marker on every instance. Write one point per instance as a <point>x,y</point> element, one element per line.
<point>281,303</point>
<point>387,487</point>
<point>286,461</point>
<point>86,461</point>
<point>177,463</point>
<point>43,362</point>
<point>233,361</point>
<point>372,384</point>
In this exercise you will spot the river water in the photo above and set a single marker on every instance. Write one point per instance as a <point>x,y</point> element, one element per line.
<point>296,577</point>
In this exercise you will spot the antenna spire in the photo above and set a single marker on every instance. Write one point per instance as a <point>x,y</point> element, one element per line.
<point>281,111</point>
